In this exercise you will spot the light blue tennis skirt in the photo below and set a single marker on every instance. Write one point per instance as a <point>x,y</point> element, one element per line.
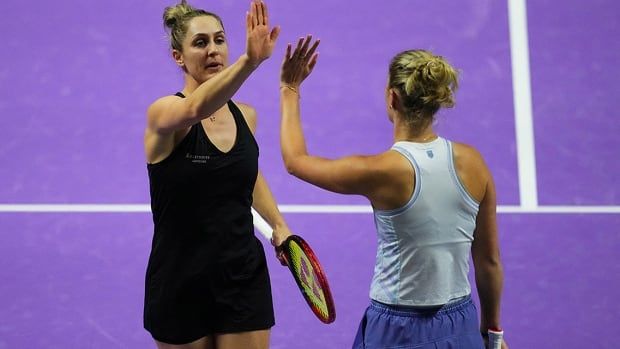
<point>454,325</point>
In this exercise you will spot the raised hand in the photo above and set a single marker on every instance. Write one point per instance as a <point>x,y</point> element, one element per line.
<point>299,64</point>
<point>260,40</point>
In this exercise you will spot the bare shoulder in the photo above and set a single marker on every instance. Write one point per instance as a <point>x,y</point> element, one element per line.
<point>247,110</point>
<point>466,149</point>
<point>467,155</point>
<point>157,108</point>
<point>161,103</point>
<point>390,166</point>
<point>393,160</point>
<point>394,179</point>
<point>472,170</point>
<point>249,114</point>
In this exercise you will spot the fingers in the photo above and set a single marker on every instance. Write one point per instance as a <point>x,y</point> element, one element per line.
<point>275,32</point>
<point>302,52</point>
<point>265,15</point>
<point>304,48</point>
<point>313,61</point>
<point>310,53</point>
<point>260,14</point>
<point>248,22</point>
<point>281,258</point>
<point>297,52</point>
<point>254,14</point>
<point>287,56</point>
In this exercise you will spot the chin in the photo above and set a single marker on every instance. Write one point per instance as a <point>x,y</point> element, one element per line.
<point>208,75</point>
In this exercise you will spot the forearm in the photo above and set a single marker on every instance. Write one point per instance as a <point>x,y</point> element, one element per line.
<point>265,204</point>
<point>489,282</point>
<point>217,91</point>
<point>292,139</point>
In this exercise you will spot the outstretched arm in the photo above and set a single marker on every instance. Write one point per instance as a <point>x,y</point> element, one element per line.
<point>348,175</point>
<point>169,114</point>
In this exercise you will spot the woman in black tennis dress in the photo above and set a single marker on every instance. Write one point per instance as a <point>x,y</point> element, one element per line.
<point>207,284</point>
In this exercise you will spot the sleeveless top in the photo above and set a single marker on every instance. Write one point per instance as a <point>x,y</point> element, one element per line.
<point>201,199</point>
<point>424,247</point>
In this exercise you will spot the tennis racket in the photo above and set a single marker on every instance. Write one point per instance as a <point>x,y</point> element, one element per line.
<point>306,270</point>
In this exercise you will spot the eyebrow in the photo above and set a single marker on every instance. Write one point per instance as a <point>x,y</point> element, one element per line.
<point>206,34</point>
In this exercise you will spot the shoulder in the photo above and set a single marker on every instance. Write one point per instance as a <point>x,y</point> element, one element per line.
<point>159,107</point>
<point>467,156</point>
<point>249,114</point>
<point>161,103</point>
<point>466,151</point>
<point>246,109</point>
<point>389,163</point>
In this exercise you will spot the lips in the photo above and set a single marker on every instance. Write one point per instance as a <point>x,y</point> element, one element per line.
<point>213,65</point>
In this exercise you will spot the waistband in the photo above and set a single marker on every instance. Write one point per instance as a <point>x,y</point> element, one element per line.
<point>404,310</point>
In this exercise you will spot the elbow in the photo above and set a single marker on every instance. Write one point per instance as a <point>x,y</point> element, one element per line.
<point>490,267</point>
<point>290,165</point>
<point>488,263</point>
<point>192,109</point>
<point>295,164</point>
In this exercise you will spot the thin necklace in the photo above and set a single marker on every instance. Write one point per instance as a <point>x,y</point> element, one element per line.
<point>425,139</point>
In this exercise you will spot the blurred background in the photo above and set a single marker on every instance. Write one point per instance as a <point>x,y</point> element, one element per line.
<point>537,97</point>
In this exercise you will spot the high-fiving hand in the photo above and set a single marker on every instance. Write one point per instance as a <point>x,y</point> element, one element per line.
<point>297,66</point>
<point>260,40</point>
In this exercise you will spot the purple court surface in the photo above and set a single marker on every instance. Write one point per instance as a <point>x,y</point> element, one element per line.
<point>537,97</point>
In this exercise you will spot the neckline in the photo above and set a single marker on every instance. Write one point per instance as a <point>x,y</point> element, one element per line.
<point>422,143</point>
<point>204,132</point>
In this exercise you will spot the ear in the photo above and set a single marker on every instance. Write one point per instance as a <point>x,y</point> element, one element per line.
<point>178,58</point>
<point>393,99</point>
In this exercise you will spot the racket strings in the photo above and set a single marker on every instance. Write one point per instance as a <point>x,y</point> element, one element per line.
<point>309,280</point>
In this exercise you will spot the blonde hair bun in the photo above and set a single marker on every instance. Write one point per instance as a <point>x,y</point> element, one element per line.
<point>425,83</point>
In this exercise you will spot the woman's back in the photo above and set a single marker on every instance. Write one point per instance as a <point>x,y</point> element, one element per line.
<point>423,246</point>
<point>434,202</point>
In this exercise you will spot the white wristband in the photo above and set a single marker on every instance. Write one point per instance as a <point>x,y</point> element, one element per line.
<point>495,339</point>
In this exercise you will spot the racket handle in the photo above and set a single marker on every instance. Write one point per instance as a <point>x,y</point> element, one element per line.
<point>261,225</point>
<point>495,339</point>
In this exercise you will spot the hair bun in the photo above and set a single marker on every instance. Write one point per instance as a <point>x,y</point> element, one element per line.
<point>426,82</point>
<point>176,19</point>
<point>173,15</point>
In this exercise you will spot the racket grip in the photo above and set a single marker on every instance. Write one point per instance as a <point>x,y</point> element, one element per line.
<point>261,225</point>
<point>495,339</point>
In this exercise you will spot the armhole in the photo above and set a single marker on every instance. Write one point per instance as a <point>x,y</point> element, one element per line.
<point>416,188</point>
<point>240,120</point>
<point>469,199</point>
<point>176,147</point>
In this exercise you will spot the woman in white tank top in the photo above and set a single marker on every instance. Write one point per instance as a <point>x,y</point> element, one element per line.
<point>434,201</point>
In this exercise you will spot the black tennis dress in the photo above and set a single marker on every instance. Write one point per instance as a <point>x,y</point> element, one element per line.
<point>207,271</point>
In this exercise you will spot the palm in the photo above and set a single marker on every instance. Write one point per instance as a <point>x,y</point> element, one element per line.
<point>259,43</point>
<point>299,64</point>
<point>260,40</point>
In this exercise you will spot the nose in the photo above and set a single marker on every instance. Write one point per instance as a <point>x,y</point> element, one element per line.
<point>212,49</point>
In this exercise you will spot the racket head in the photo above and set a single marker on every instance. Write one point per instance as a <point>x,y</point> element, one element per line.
<point>309,276</point>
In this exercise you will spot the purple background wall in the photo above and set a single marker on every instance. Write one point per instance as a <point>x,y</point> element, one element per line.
<point>77,77</point>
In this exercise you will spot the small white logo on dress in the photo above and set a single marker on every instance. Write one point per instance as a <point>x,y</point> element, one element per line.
<point>197,159</point>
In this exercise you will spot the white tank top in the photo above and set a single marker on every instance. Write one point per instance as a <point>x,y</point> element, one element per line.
<point>423,247</point>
